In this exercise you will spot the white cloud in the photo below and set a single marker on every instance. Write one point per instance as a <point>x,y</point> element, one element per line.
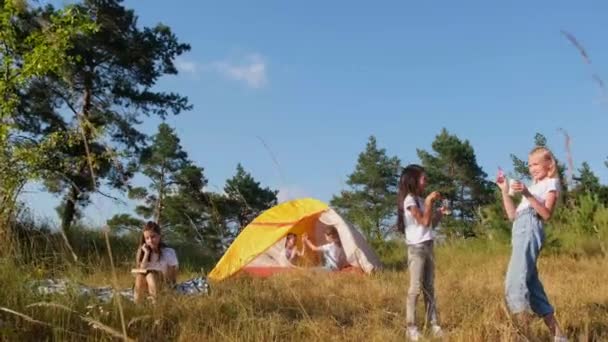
<point>187,67</point>
<point>290,192</point>
<point>251,70</point>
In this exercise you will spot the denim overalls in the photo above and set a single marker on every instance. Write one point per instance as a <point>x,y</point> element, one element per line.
<point>523,288</point>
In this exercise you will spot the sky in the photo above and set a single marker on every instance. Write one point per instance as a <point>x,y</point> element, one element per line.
<point>292,90</point>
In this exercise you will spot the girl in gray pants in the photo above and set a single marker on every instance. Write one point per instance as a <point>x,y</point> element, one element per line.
<point>415,218</point>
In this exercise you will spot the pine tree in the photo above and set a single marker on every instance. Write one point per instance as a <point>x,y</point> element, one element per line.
<point>247,198</point>
<point>100,97</point>
<point>588,183</point>
<point>175,196</point>
<point>370,201</point>
<point>453,171</point>
<point>162,163</point>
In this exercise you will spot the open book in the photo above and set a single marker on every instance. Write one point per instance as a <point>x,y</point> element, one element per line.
<point>144,270</point>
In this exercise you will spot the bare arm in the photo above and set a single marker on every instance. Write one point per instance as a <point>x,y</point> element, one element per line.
<point>293,255</point>
<point>544,211</point>
<point>311,245</point>
<point>425,217</point>
<point>143,254</point>
<point>507,201</point>
<point>437,216</point>
<point>422,217</point>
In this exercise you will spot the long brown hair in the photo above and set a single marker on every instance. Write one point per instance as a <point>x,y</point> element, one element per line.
<point>290,236</point>
<point>409,184</point>
<point>154,227</point>
<point>333,232</point>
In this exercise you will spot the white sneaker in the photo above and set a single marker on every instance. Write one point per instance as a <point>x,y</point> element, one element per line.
<point>436,331</point>
<point>413,334</point>
<point>560,339</point>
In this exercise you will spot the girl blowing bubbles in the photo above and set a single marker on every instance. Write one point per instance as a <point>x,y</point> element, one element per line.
<point>415,218</point>
<point>523,288</point>
<point>157,262</point>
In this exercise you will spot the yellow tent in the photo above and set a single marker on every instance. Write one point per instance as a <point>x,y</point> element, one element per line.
<point>259,248</point>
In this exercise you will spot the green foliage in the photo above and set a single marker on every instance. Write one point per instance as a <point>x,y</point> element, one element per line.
<point>41,246</point>
<point>175,196</point>
<point>228,213</point>
<point>493,223</point>
<point>392,253</point>
<point>588,183</point>
<point>582,215</point>
<point>100,96</point>
<point>163,162</point>
<point>453,171</point>
<point>582,228</point>
<point>246,198</point>
<point>124,222</point>
<point>370,201</point>
<point>33,47</point>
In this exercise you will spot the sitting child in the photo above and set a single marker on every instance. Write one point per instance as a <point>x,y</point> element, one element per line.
<point>156,263</point>
<point>291,252</point>
<point>333,254</point>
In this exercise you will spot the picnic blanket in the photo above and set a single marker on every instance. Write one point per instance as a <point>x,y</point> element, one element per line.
<point>193,287</point>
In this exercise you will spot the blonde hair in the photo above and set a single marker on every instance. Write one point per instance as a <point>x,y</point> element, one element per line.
<point>548,157</point>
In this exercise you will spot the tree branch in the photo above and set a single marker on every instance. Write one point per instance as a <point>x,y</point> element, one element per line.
<point>111,197</point>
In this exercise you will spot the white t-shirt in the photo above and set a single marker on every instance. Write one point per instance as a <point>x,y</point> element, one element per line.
<point>334,256</point>
<point>415,233</point>
<point>539,191</point>
<point>168,258</point>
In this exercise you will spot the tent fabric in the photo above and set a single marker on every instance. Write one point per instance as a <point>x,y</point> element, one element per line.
<point>259,248</point>
<point>264,231</point>
<point>358,252</point>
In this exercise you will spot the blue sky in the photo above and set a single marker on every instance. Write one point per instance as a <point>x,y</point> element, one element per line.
<point>309,82</point>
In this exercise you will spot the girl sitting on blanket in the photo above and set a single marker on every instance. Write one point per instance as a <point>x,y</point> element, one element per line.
<point>156,263</point>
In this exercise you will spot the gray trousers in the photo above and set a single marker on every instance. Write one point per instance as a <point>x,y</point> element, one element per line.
<point>421,266</point>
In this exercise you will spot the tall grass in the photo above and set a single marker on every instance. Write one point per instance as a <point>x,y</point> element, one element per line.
<point>318,306</point>
<point>309,305</point>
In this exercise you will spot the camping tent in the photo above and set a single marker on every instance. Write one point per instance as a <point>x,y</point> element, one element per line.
<point>259,248</point>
